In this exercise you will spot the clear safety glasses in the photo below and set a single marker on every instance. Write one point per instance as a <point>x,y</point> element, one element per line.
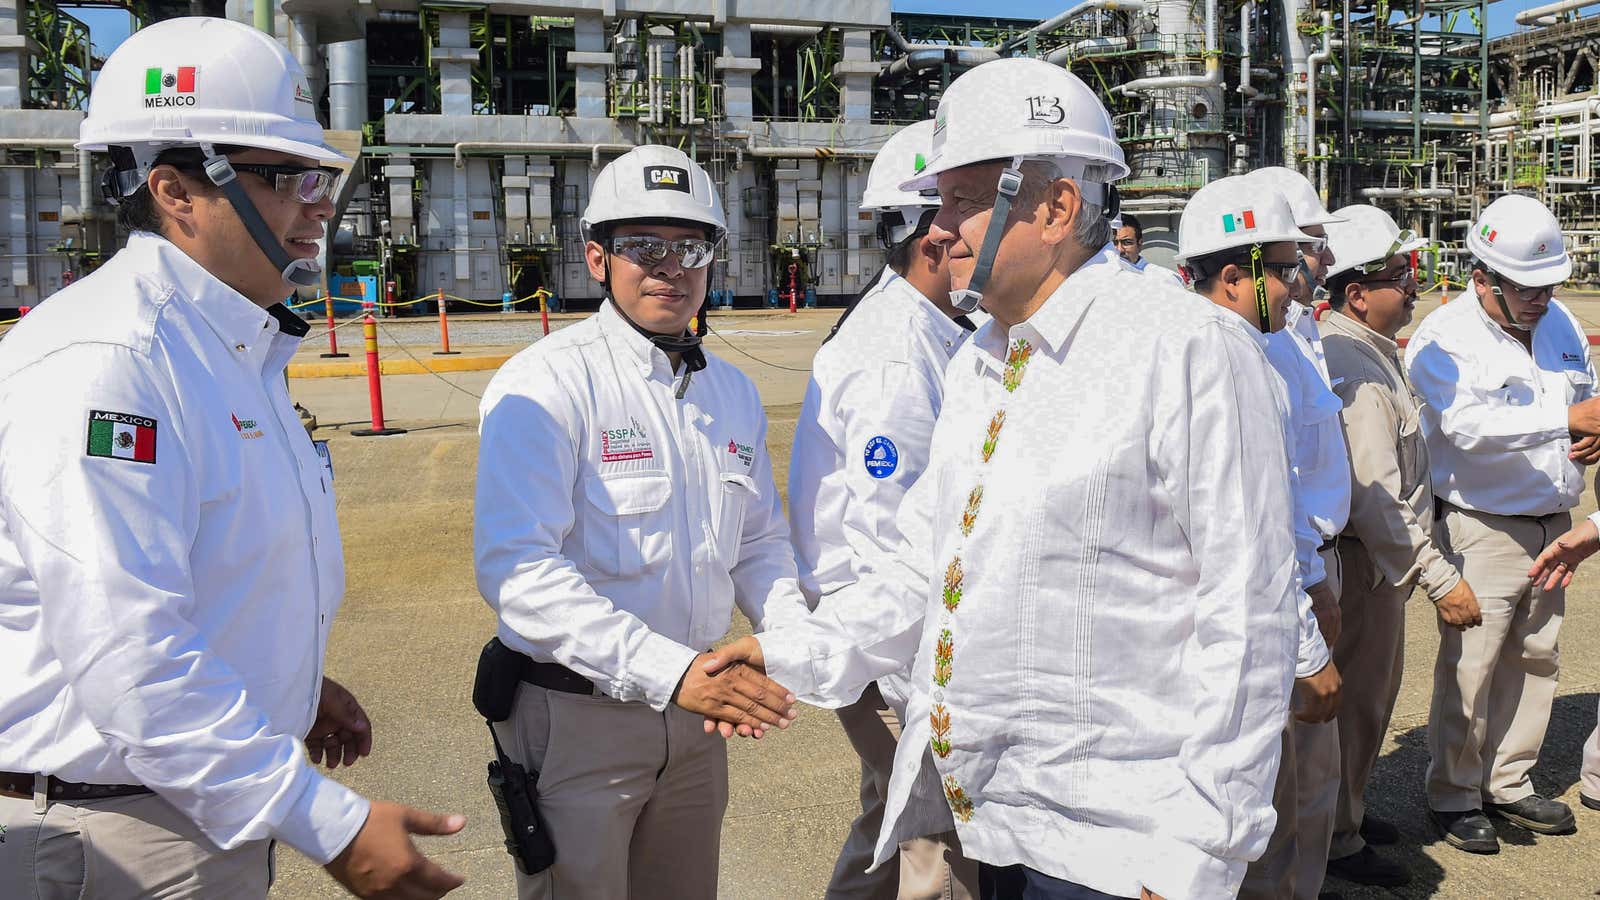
<point>644,250</point>
<point>1288,273</point>
<point>304,185</point>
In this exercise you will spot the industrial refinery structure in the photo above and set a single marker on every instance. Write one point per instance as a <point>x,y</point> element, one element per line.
<point>480,125</point>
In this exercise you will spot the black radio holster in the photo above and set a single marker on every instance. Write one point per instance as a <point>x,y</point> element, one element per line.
<point>514,788</point>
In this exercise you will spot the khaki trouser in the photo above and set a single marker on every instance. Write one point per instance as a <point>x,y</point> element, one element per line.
<point>1493,685</point>
<point>121,848</point>
<point>1370,654</point>
<point>928,868</point>
<point>1304,797</point>
<point>1591,766</point>
<point>633,798</point>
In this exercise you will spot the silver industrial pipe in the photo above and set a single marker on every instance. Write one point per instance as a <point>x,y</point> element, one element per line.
<point>347,85</point>
<point>1532,16</point>
<point>1211,79</point>
<point>1056,21</point>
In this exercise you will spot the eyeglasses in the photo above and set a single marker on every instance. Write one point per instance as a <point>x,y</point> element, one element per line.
<point>1288,273</point>
<point>1525,293</point>
<point>1400,279</point>
<point>644,250</point>
<point>304,185</point>
<point>1314,246</point>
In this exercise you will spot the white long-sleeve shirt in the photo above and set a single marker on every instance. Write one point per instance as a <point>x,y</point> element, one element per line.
<point>1160,273</point>
<point>616,524</point>
<point>170,560</point>
<point>1097,584</point>
<point>1496,417</point>
<point>1323,463</point>
<point>862,439</point>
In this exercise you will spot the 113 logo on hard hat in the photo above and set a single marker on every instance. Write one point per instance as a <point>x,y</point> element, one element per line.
<point>1045,111</point>
<point>666,178</point>
<point>169,87</point>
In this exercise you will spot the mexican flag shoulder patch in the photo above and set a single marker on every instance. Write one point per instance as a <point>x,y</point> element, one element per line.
<point>115,435</point>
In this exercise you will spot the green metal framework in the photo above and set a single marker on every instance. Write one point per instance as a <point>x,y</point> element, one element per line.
<point>59,73</point>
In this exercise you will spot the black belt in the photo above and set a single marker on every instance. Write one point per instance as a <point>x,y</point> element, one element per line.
<point>556,677</point>
<point>1329,544</point>
<point>56,789</point>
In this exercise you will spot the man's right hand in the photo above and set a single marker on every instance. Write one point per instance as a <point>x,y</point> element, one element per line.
<point>1325,606</point>
<point>382,862</point>
<point>728,686</point>
<point>1459,608</point>
<point>1317,696</point>
<point>1583,417</point>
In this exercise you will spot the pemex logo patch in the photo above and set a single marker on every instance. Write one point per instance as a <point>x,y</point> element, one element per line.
<point>169,87</point>
<point>666,178</point>
<point>114,435</point>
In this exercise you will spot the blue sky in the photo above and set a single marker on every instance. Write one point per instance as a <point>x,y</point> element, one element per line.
<point>107,27</point>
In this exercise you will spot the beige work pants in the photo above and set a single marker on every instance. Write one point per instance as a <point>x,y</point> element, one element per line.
<point>633,798</point>
<point>121,848</point>
<point>927,868</point>
<point>1590,787</point>
<point>1304,796</point>
<point>1370,654</point>
<point>1493,685</point>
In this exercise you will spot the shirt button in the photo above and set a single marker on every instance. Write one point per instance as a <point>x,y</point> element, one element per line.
<point>239,347</point>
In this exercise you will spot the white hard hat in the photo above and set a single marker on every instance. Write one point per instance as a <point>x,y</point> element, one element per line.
<point>1022,107</point>
<point>900,212</point>
<point>1365,239</point>
<point>1517,237</point>
<point>654,182</point>
<point>196,81</point>
<point>1302,195</point>
<point>1231,213</point>
<point>901,158</point>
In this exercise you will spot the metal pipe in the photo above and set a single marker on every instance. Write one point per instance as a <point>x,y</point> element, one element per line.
<point>41,143</point>
<point>1532,16</point>
<point>811,153</point>
<point>1320,56</point>
<point>399,16</point>
<point>1408,193</point>
<point>1211,79</point>
<point>263,16</point>
<point>462,148</point>
<point>1062,54</point>
<point>1056,21</point>
<point>86,212</point>
<point>930,58</point>
<point>1403,117</point>
<point>303,44</point>
<point>347,85</point>
<point>777,30</point>
<point>1245,89</point>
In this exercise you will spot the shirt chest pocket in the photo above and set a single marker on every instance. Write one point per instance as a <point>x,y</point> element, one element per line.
<point>738,492</point>
<point>1413,452</point>
<point>630,528</point>
<point>1579,386</point>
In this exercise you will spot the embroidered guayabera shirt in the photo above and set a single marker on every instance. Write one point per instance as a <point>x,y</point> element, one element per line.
<point>862,438</point>
<point>1495,416</point>
<point>169,554</point>
<point>617,524</point>
<point>1104,651</point>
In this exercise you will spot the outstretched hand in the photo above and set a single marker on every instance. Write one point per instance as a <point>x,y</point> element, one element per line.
<point>1555,566</point>
<point>729,688</point>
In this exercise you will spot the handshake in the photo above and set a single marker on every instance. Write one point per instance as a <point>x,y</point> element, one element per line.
<point>729,686</point>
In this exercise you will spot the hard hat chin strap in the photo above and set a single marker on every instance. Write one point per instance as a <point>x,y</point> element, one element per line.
<point>968,298</point>
<point>1505,310</point>
<point>295,272</point>
<point>1258,279</point>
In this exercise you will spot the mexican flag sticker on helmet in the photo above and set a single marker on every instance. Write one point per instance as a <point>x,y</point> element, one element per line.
<point>1232,222</point>
<point>1488,234</point>
<point>169,87</point>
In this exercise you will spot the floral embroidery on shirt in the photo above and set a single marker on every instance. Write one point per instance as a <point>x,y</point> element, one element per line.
<point>970,516</point>
<point>940,720</point>
<point>957,798</point>
<point>993,438</point>
<point>1016,360</point>
<point>943,655</point>
<point>953,577</point>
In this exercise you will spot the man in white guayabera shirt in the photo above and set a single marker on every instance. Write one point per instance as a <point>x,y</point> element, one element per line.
<point>1096,576</point>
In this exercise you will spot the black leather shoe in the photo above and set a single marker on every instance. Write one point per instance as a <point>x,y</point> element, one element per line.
<point>1367,867</point>
<point>1329,895</point>
<point>1589,801</point>
<point>1471,830</point>
<point>1536,814</point>
<point>1378,832</point>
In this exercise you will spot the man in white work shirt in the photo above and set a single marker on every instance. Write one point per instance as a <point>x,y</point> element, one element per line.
<point>1307,792</point>
<point>861,441</point>
<point>169,553</point>
<point>1510,422</point>
<point>1096,579</point>
<point>1387,549</point>
<point>1128,239</point>
<point>1239,245</point>
<point>616,560</point>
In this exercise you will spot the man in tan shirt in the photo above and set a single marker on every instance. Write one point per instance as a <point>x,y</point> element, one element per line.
<point>1387,547</point>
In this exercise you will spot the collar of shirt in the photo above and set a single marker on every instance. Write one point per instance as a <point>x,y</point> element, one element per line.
<point>651,360</point>
<point>1051,324</point>
<point>1359,330</point>
<point>237,321</point>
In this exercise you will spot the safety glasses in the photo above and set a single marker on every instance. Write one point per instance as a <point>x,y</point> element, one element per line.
<point>304,185</point>
<point>1400,279</point>
<point>644,250</point>
<point>1524,293</point>
<point>1288,273</point>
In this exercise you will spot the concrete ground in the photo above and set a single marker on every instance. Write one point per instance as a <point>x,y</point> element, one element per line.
<point>408,638</point>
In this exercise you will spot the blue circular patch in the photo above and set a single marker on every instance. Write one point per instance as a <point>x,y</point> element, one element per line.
<point>881,457</point>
